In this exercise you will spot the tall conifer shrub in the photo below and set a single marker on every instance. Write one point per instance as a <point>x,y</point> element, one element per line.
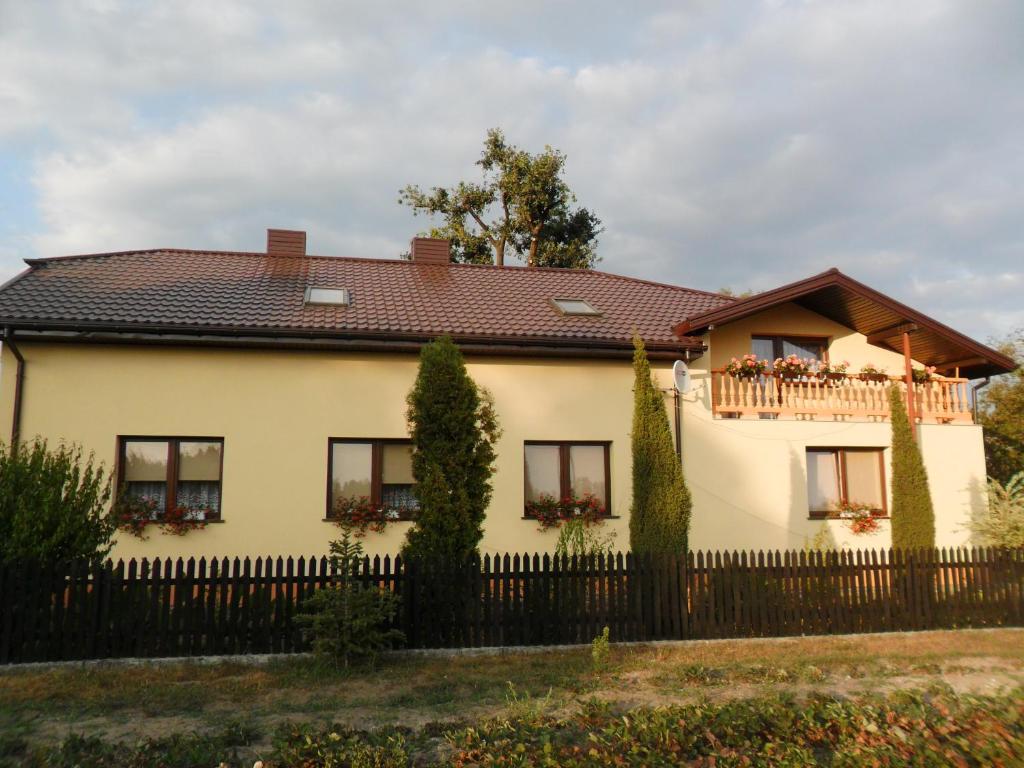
<point>453,428</point>
<point>913,518</point>
<point>659,520</point>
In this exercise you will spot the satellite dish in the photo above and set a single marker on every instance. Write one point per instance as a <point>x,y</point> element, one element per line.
<point>681,377</point>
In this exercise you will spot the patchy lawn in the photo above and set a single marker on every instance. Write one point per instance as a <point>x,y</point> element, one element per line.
<point>237,708</point>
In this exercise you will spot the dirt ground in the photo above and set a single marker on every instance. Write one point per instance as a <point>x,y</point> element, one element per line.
<point>126,701</point>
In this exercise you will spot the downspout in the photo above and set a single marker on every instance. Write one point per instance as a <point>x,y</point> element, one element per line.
<point>678,402</point>
<point>679,433</point>
<point>911,393</point>
<point>974,396</point>
<point>19,378</point>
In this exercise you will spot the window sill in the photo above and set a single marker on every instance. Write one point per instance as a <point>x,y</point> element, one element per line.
<point>837,517</point>
<point>159,521</point>
<point>603,517</point>
<point>389,520</point>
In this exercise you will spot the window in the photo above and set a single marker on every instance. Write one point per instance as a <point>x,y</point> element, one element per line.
<point>379,471</point>
<point>575,307</point>
<point>837,476</point>
<point>567,470</point>
<point>327,296</point>
<point>174,472</point>
<point>774,347</point>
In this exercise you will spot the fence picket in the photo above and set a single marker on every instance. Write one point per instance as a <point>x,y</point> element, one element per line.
<point>150,608</point>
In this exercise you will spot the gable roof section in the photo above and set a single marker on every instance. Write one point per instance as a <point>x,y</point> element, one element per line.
<point>865,310</point>
<point>207,293</point>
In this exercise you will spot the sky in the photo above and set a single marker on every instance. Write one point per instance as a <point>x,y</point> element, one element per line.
<point>723,144</point>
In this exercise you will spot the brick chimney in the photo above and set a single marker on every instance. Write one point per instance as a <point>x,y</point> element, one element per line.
<point>430,250</point>
<point>286,242</point>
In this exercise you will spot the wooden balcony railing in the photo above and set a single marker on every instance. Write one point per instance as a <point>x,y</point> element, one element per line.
<point>846,397</point>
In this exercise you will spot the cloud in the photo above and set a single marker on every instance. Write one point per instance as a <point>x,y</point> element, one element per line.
<point>721,143</point>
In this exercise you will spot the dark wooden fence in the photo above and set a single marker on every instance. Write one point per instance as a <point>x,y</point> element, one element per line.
<point>221,606</point>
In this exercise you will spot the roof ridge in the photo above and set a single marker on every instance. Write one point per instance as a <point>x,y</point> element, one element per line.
<point>33,262</point>
<point>37,261</point>
<point>658,283</point>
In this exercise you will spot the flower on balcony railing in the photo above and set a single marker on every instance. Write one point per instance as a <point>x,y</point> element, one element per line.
<point>357,515</point>
<point>861,518</point>
<point>551,512</point>
<point>792,367</point>
<point>870,373</point>
<point>134,514</point>
<point>746,367</point>
<point>923,375</point>
<point>830,369</point>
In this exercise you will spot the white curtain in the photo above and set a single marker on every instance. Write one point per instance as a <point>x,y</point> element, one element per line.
<point>864,477</point>
<point>822,481</point>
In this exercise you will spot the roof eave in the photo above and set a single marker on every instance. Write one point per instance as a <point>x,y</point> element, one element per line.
<point>323,339</point>
<point>997,362</point>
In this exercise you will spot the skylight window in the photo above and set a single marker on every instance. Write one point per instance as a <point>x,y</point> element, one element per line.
<point>575,307</point>
<point>336,296</point>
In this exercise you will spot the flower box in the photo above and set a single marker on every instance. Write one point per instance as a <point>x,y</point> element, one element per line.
<point>861,518</point>
<point>551,512</point>
<point>748,367</point>
<point>874,376</point>
<point>832,379</point>
<point>793,369</point>
<point>832,374</point>
<point>870,373</point>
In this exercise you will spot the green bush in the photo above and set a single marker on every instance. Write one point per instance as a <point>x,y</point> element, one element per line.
<point>1001,523</point>
<point>600,650</point>
<point>1001,413</point>
<point>347,619</point>
<point>454,429</point>
<point>581,538</point>
<point>659,519</point>
<point>913,517</point>
<point>54,505</point>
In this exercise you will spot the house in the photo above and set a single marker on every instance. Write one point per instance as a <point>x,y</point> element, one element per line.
<point>265,387</point>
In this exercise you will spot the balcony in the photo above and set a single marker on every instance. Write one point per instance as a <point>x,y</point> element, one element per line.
<point>840,397</point>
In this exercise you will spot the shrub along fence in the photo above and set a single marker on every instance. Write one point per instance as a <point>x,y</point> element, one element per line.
<point>220,606</point>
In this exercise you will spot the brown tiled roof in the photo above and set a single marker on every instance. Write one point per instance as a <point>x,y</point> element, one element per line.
<point>178,291</point>
<point>881,318</point>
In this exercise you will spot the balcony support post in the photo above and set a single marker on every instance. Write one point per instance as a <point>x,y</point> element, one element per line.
<point>909,372</point>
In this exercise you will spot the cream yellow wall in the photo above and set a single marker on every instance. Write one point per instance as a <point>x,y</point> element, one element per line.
<point>276,411</point>
<point>954,456</point>
<point>761,502</point>
<point>7,375</point>
<point>748,477</point>
<point>733,339</point>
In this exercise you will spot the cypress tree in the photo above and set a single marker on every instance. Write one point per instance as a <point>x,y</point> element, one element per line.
<point>453,429</point>
<point>913,518</point>
<point>659,519</point>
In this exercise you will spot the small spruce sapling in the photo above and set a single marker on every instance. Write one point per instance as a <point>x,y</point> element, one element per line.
<point>348,619</point>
